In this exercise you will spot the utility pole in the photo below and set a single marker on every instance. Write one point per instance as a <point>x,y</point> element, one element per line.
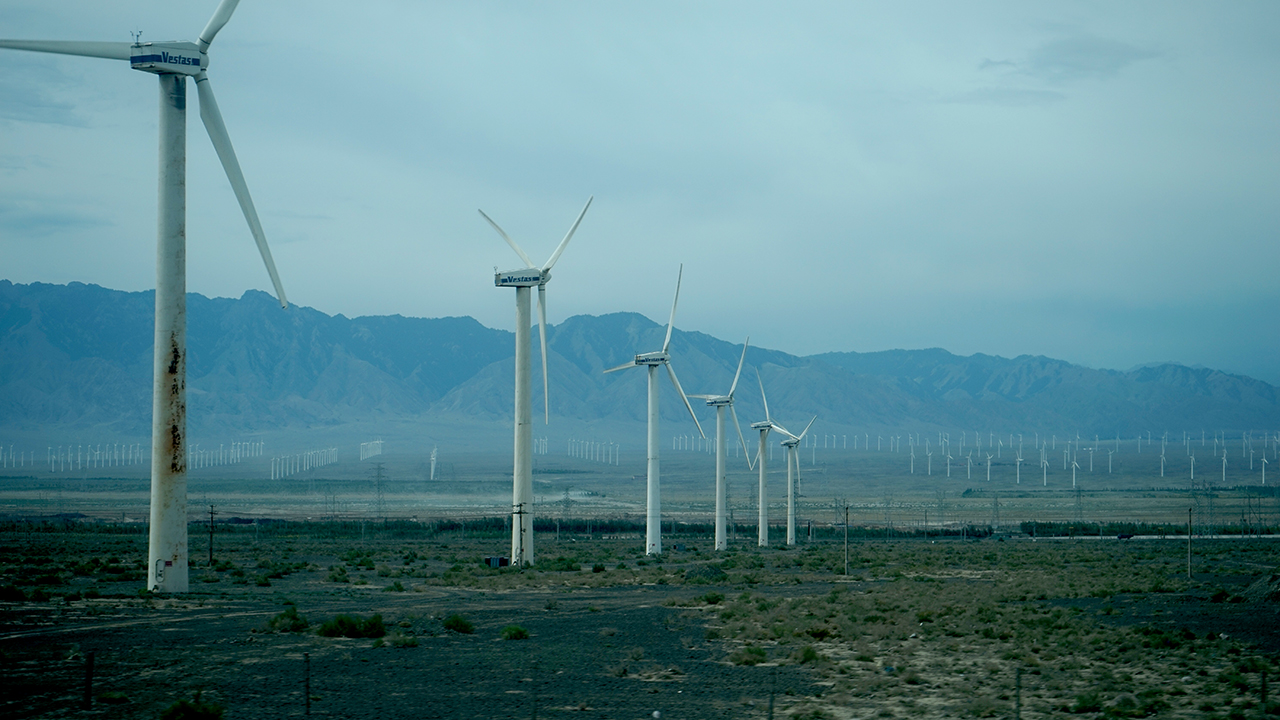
<point>212,512</point>
<point>846,539</point>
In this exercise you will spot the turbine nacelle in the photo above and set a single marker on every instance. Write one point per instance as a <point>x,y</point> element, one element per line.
<point>661,357</point>
<point>525,277</point>
<point>716,400</point>
<point>168,58</point>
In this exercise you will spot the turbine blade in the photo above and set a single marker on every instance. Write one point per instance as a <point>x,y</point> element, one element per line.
<point>763,397</point>
<point>623,366</point>
<point>512,243</point>
<point>220,18</point>
<point>108,50</point>
<point>740,361</point>
<point>782,430</point>
<point>563,243</point>
<point>672,322</point>
<point>806,427</point>
<point>741,438</point>
<point>703,397</point>
<point>222,144</point>
<point>542,333</point>
<point>675,381</point>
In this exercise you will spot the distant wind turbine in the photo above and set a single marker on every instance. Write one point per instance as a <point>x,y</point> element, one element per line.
<point>793,458</point>
<point>720,402</point>
<point>651,361</point>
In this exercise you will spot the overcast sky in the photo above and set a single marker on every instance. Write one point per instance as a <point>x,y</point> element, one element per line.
<point>1095,182</point>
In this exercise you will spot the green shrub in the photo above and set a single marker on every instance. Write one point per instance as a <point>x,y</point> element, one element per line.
<point>748,656</point>
<point>711,598</point>
<point>10,593</point>
<point>597,568</point>
<point>288,621</point>
<point>459,624</point>
<point>353,626</point>
<point>112,697</point>
<point>403,641</point>
<point>193,709</point>
<point>514,632</point>
<point>396,586</point>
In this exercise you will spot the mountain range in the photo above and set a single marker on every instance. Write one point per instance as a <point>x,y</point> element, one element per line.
<point>77,355</point>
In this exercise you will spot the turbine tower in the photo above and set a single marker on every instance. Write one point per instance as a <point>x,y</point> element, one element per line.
<point>522,474</point>
<point>651,360</point>
<point>173,62</point>
<point>720,402</point>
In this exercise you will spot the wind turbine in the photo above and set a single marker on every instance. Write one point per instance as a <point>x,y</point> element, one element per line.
<point>522,475</point>
<point>173,62</point>
<point>1074,466</point>
<point>720,402</point>
<point>434,450</point>
<point>989,456</point>
<point>762,460</point>
<point>793,457</point>
<point>651,360</point>
<point>1044,469</point>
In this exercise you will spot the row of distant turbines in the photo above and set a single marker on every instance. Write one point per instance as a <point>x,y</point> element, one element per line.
<point>522,502</point>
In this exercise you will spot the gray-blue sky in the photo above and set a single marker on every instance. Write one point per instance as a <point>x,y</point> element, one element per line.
<point>1090,181</point>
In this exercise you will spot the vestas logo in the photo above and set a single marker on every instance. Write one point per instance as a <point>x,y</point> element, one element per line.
<point>178,59</point>
<point>508,279</point>
<point>167,59</point>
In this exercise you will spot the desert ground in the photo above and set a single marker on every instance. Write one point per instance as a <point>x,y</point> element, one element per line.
<point>999,626</point>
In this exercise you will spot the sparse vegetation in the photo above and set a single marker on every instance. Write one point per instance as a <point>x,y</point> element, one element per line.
<point>353,626</point>
<point>514,632</point>
<point>459,624</point>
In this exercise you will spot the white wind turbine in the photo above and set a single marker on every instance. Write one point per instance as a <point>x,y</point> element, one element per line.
<point>434,450</point>
<point>173,62</point>
<point>720,402</point>
<point>651,360</point>
<point>762,460</point>
<point>793,458</point>
<point>522,475</point>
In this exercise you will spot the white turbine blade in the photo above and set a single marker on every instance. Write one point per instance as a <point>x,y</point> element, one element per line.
<point>512,243</point>
<point>563,243</point>
<point>741,438</point>
<point>542,333</point>
<point>703,397</point>
<point>222,144</point>
<point>672,322</point>
<point>806,427</point>
<point>783,430</point>
<point>220,18</point>
<point>739,372</point>
<point>675,381</point>
<point>108,50</point>
<point>763,397</point>
<point>623,366</point>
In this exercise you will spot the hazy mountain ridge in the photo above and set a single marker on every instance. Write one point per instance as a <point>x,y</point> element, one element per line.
<point>81,355</point>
